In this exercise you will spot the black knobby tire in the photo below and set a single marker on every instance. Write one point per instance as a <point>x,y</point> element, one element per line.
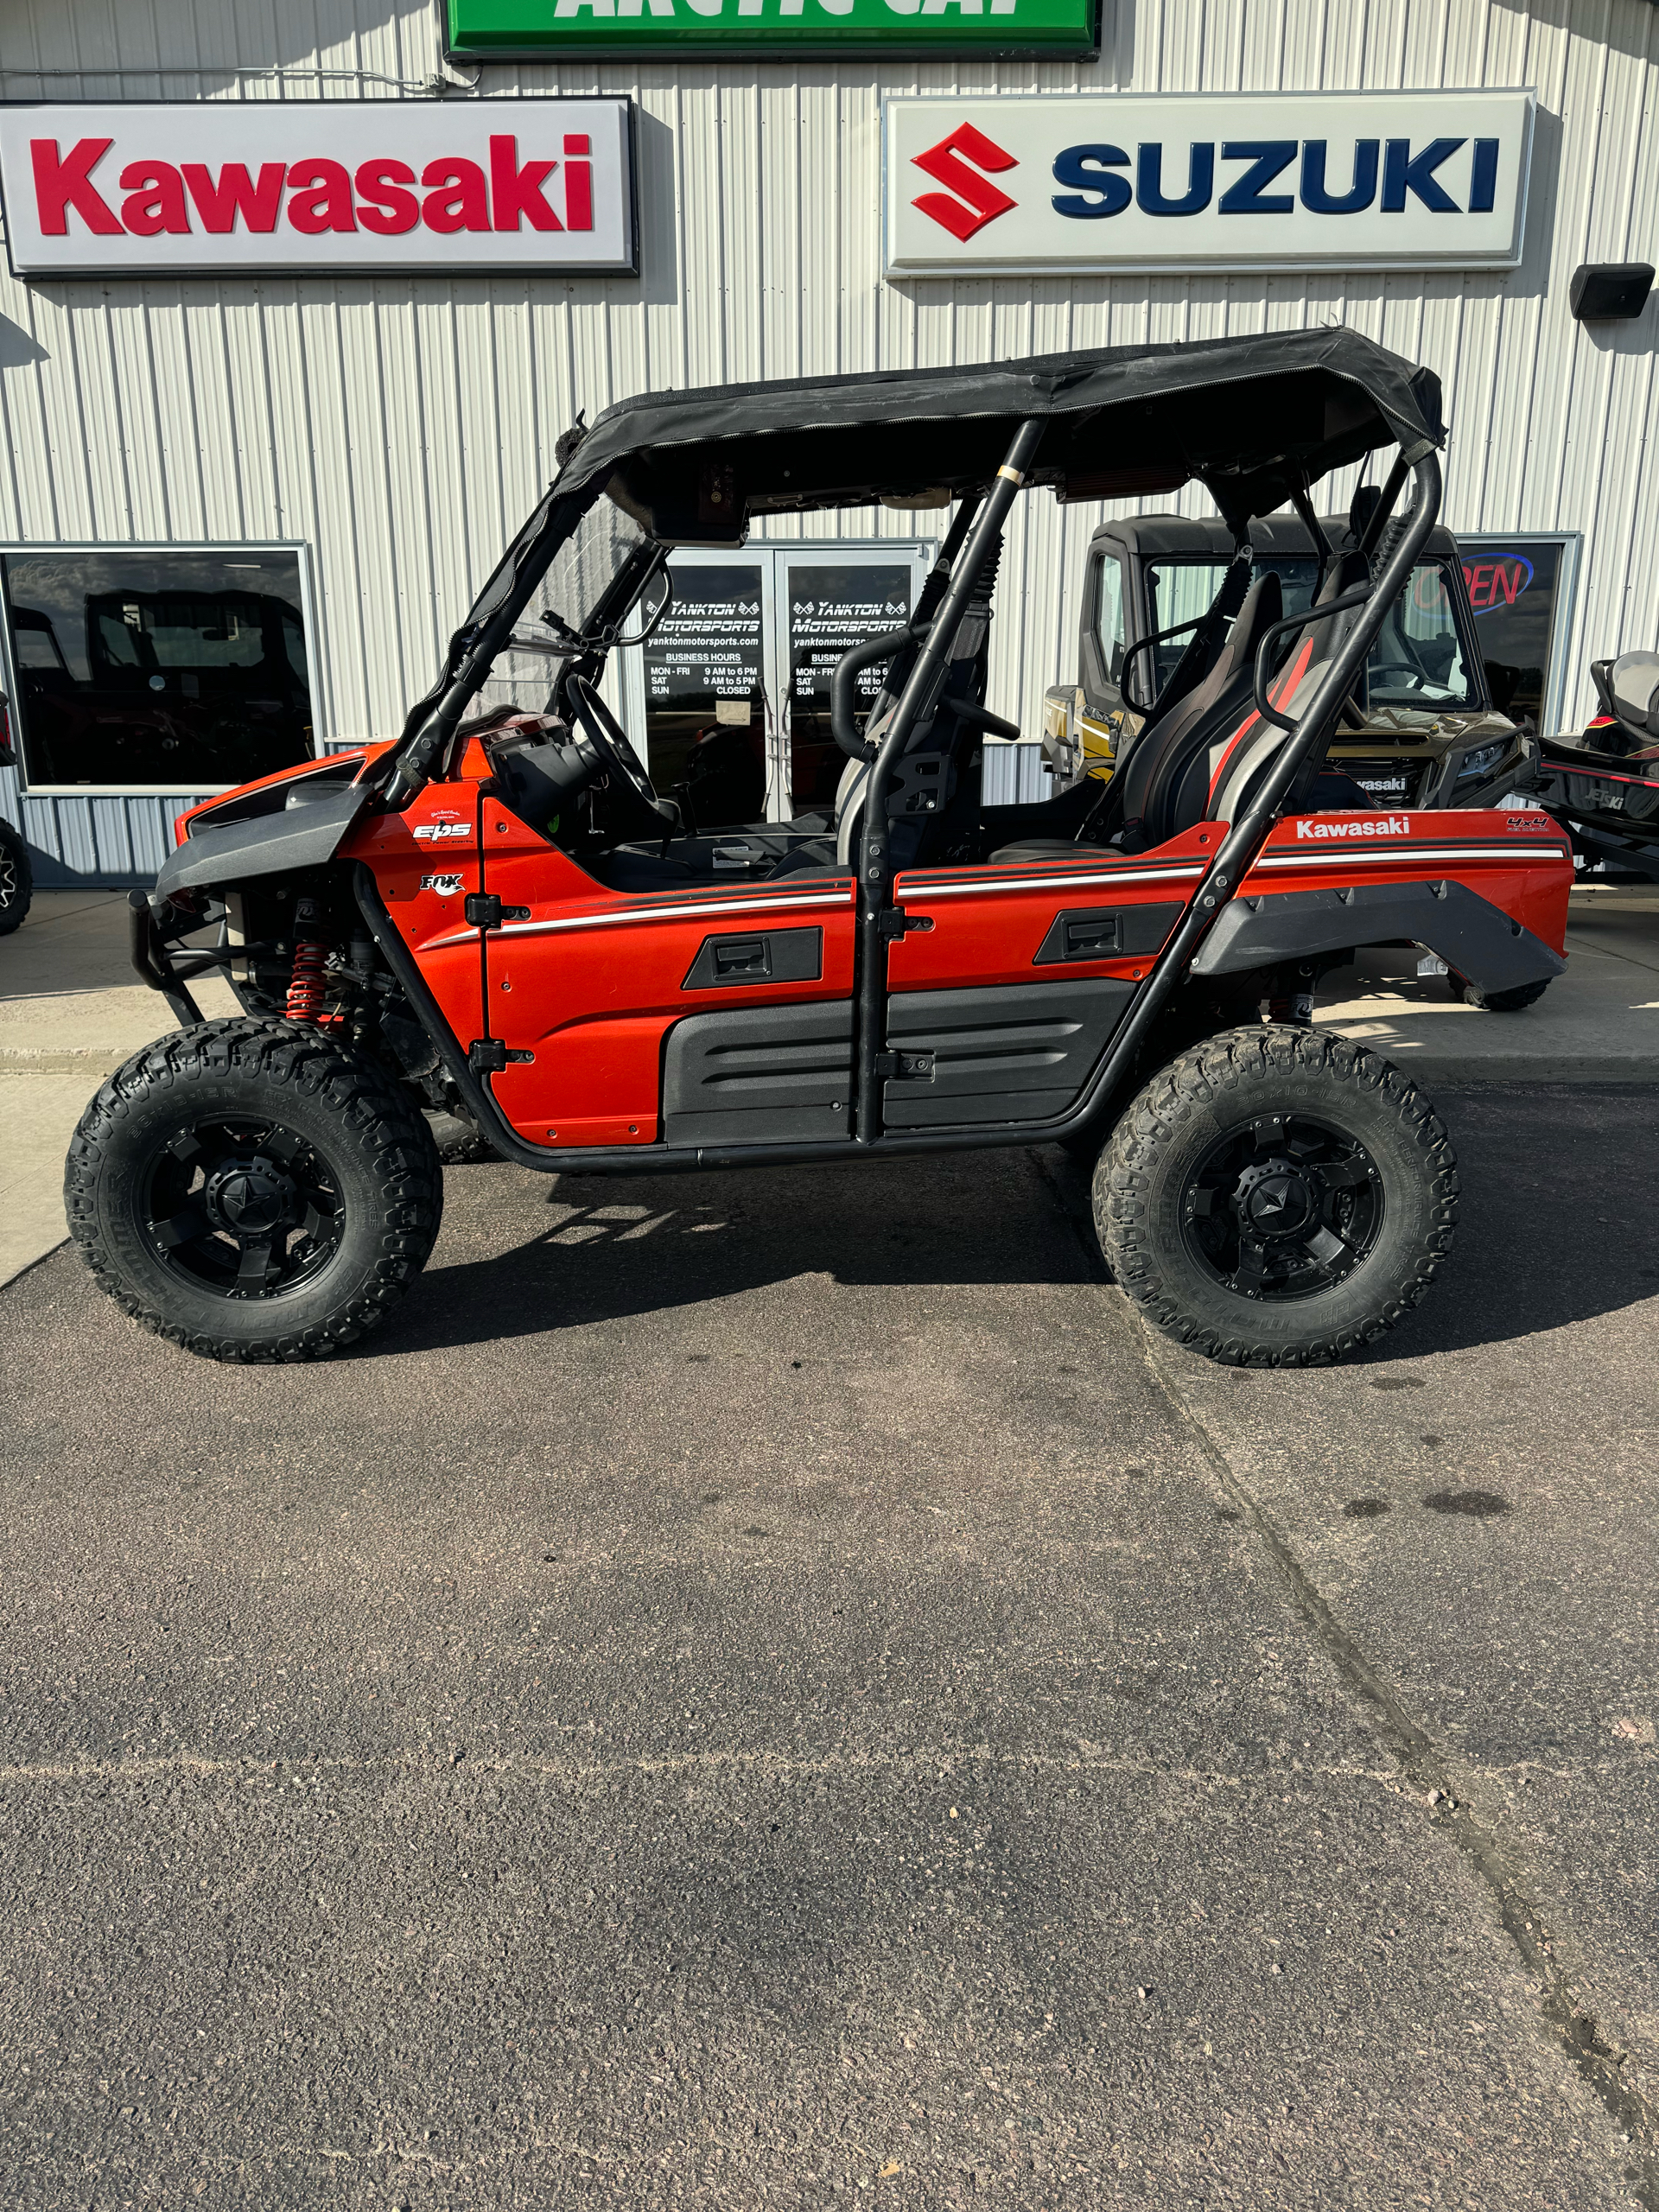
<point>17,879</point>
<point>1523,994</point>
<point>1400,1193</point>
<point>360,1139</point>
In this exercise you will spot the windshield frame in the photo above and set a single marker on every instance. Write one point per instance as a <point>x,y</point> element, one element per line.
<point>433,721</point>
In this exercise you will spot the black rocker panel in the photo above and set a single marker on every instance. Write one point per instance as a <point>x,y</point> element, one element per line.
<point>760,1074</point>
<point>1015,1052</point>
<point>736,957</point>
<point>1106,932</point>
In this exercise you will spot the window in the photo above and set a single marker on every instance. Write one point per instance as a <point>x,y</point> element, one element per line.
<point>1108,615</point>
<point>1417,660</point>
<point>157,667</point>
<point>1521,589</point>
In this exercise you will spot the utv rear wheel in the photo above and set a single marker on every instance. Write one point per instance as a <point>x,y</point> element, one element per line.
<point>1523,994</point>
<point>253,1191</point>
<point>16,880</point>
<point>1277,1197</point>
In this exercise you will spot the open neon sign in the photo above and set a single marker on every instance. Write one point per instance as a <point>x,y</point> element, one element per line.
<point>1497,581</point>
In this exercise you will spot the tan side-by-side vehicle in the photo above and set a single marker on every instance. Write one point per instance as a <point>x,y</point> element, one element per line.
<point>1418,729</point>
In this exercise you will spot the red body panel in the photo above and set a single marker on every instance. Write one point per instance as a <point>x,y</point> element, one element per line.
<point>1521,862</point>
<point>989,921</point>
<point>589,982</point>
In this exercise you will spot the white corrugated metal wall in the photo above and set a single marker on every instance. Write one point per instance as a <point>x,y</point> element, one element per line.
<point>401,429</point>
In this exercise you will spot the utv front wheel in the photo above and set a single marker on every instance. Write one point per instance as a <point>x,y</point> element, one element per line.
<point>1277,1197</point>
<point>253,1191</point>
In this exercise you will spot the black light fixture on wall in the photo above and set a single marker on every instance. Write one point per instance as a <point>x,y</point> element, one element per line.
<point>1610,291</point>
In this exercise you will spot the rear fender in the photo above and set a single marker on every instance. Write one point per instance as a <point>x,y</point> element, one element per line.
<point>1469,933</point>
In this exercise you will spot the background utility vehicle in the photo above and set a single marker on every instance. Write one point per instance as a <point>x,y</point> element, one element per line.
<point>1419,727</point>
<point>1603,783</point>
<point>497,915</point>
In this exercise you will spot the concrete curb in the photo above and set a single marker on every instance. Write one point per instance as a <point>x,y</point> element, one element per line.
<point>93,1062</point>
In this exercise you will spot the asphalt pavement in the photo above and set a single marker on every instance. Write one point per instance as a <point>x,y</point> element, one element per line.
<point>773,1690</point>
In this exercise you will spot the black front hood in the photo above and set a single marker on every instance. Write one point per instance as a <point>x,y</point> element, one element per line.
<point>279,839</point>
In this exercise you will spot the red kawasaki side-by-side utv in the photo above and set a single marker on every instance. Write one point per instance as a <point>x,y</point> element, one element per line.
<point>499,916</point>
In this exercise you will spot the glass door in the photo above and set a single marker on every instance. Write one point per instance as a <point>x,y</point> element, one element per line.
<point>731,696</point>
<point>828,600</point>
<point>702,689</point>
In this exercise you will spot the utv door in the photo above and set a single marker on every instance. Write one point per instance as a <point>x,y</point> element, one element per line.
<point>720,1015</point>
<point>1002,1002</point>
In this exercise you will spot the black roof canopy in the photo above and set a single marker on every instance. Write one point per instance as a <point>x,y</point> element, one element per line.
<point>1252,417</point>
<point>1152,538</point>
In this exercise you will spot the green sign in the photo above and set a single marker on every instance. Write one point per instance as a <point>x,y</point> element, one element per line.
<point>480,28</point>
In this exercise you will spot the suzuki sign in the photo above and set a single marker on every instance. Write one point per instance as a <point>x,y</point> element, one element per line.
<point>1206,181</point>
<point>334,186</point>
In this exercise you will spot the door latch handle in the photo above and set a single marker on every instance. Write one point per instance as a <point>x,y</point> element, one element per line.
<point>893,923</point>
<point>488,1056</point>
<point>484,911</point>
<point>905,1067</point>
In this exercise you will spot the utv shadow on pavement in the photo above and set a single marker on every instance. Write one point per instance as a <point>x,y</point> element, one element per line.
<point>1546,1238</point>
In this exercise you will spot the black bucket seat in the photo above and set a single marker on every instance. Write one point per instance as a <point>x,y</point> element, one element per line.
<point>1161,755</point>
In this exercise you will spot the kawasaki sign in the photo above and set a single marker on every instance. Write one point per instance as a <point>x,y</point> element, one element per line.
<point>130,189</point>
<point>481,28</point>
<point>1347,180</point>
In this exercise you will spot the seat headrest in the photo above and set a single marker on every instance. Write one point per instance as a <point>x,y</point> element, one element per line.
<point>1264,603</point>
<point>1635,686</point>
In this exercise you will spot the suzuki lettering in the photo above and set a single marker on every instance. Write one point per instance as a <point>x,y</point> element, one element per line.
<point>1275,181</point>
<point>136,190</point>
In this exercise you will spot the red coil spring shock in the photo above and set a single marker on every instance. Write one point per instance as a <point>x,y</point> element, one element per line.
<point>305,985</point>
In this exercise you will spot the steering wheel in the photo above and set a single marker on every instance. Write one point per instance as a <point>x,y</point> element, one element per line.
<point>605,734</point>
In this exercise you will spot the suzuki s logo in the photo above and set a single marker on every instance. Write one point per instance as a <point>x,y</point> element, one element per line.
<point>949,161</point>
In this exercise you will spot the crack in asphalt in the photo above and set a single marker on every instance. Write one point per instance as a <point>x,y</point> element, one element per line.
<point>1422,1763</point>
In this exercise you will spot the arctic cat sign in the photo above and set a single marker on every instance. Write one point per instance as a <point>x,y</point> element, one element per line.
<point>130,189</point>
<point>480,28</point>
<point>1266,180</point>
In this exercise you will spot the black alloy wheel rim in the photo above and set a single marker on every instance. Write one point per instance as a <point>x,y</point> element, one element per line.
<point>242,1209</point>
<point>1283,1207</point>
<point>9,887</point>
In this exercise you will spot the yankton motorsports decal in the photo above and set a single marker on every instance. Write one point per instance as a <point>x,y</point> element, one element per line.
<point>131,188</point>
<point>1263,180</point>
<point>785,28</point>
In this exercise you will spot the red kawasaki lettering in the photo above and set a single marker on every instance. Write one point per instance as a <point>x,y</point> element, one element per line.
<point>60,184</point>
<point>390,210</point>
<point>321,198</point>
<point>155,199</point>
<point>233,193</point>
<point>515,191</point>
<point>459,198</point>
<point>578,186</point>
